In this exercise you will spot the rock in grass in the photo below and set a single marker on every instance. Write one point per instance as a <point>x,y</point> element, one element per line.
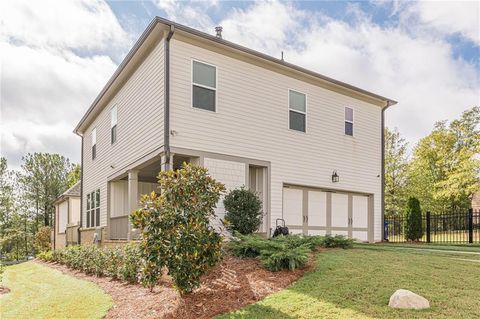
<point>405,299</point>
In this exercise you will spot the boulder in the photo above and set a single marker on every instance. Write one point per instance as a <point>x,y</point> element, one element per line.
<point>405,299</point>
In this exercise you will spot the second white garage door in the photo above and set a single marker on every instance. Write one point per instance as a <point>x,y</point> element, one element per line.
<point>318,212</point>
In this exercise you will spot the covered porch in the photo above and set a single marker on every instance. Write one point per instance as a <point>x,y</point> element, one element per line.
<point>125,191</point>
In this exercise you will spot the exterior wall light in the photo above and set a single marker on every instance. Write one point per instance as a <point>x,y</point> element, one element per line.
<point>335,177</point>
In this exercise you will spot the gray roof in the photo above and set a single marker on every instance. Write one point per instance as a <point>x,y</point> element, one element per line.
<point>73,191</point>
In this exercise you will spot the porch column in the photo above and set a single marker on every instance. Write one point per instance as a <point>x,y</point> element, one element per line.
<point>163,160</point>
<point>132,197</point>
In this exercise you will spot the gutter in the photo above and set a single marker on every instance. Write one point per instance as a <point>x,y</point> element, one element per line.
<point>166,108</point>
<point>388,104</point>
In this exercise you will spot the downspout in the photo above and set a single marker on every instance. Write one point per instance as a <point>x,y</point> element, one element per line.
<point>81,196</point>
<point>166,115</point>
<point>54,227</point>
<point>383,169</point>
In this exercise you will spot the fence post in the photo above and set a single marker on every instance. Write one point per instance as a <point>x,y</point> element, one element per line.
<point>470,225</point>
<point>427,223</point>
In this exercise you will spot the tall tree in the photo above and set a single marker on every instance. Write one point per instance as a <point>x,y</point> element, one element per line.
<point>43,178</point>
<point>396,164</point>
<point>74,175</point>
<point>6,196</point>
<point>445,168</point>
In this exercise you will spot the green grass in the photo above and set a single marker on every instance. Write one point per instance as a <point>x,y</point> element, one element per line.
<point>357,283</point>
<point>41,292</point>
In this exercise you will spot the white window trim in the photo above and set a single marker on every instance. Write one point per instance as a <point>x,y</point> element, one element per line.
<point>88,211</point>
<point>347,121</point>
<point>116,124</point>
<point>203,86</point>
<point>293,110</point>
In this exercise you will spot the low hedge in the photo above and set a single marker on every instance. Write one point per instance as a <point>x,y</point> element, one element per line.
<point>117,262</point>
<point>284,252</point>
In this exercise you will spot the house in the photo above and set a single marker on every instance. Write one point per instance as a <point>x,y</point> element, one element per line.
<point>311,146</point>
<point>476,201</point>
<point>67,217</point>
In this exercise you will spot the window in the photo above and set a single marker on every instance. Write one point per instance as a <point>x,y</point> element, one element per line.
<point>297,106</point>
<point>94,143</point>
<point>93,209</point>
<point>348,121</point>
<point>204,86</point>
<point>113,124</point>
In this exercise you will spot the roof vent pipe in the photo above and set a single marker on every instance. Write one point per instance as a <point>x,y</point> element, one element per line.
<point>219,30</point>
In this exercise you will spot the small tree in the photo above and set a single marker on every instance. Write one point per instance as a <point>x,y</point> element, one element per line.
<point>244,211</point>
<point>42,239</point>
<point>414,230</point>
<point>175,227</point>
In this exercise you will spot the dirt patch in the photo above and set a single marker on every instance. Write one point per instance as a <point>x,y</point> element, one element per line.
<point>232,284</point>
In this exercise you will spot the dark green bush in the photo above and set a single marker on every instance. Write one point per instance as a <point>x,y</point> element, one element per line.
<point>283,252</point>
<point>337,241</point>
<point>414,229</point>
<point>175,227</point>
<point>247,246</point>
<point>278,257</point>
<point>243,211</point>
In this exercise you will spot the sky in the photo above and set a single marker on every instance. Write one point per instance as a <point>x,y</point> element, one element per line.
<point>56,56</point>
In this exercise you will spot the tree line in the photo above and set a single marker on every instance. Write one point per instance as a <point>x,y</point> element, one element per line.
<point>26,197</point>
<point>442,170</point>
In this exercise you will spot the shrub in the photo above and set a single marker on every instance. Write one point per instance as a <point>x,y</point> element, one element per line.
<point>243,211</point>
<point>276,258</point>
<point>46,256</point>
<point>337,241</point>
<point>42,239</point>
<point>414,230</point>
<point>247,246</point>
<point>131,264</point>
<point>175,227</point>
<point>114,256</point>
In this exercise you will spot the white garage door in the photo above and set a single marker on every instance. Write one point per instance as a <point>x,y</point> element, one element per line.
<point>293,207</point>
<point>326,212</point>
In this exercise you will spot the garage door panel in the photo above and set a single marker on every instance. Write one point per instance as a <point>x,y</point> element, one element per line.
<point>339,210</point>
<point>360,211</point>
<point>317,232</point>
<point>293,206</point>
<point>360,235</point>
<point>317,208</point>
<point>339,232</point>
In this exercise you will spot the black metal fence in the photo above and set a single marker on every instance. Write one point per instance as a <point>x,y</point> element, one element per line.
<point>463,227</point>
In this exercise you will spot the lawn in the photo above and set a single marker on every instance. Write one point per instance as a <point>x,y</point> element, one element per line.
<point>41,292</point>
<point>357,283</point>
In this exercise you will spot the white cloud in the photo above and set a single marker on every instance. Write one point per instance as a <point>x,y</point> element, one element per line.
<point>54,62</point>
<point>450,17</point>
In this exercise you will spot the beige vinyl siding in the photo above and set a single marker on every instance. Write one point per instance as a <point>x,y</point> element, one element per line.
<point>140,110</point>
<point>74,210</point>
<point>252,121</point>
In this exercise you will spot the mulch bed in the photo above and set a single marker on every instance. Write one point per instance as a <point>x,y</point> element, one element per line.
<point>232,284</point>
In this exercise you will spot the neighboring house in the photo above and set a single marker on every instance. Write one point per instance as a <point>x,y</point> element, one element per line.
<point>310,145</point>
<point>476,201</point>
<point>67,217</point>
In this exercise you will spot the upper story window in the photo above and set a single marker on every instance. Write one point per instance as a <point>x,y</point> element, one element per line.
<point>113,124</point>
<point>297,109</point>
<point>93,209</point>
<point>348,121</point>
<point>204,86</point>
<point>94,143</point>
